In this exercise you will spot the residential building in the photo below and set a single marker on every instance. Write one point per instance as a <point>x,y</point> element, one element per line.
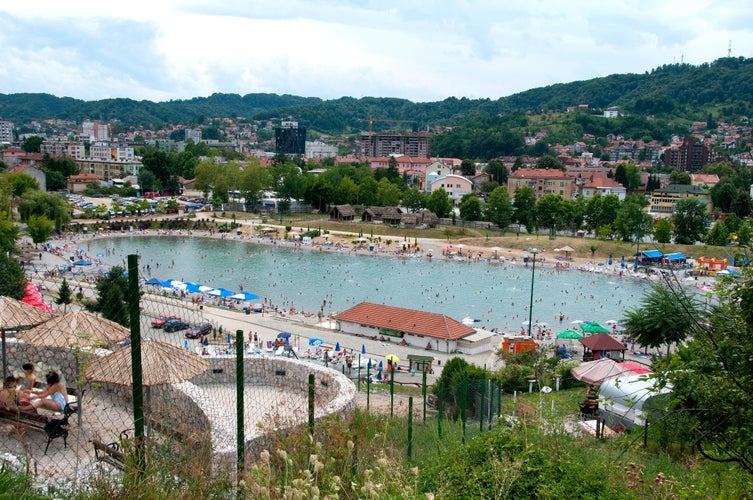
<point>290,139</point>
<point>413,144</point>
<point>611,112</point>
<point>542,181</point>
<point>319,149</point>
<point>456,187</point>
<point>33,171</point>
<point>663,200</point>
<point>6,132</point>
<point>705,180</point>
<point>95,131</point>
<point>77,183</point>
<point>600,183</point>
<point>106,170</point>
<point>193,134</point>
<point>688,156</point>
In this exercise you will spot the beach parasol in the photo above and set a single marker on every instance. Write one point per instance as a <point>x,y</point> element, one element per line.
<point>610,259</point>
<point>593,327</point>
<point>244,296</point>
<point>220,292</point>
<point>569,334</point>
<point>75,328</point>
<point>636,368</point>
<point>337,347</point>
<point>576,322</point>
<point>284,335</point>
<point>16,314</point>
<point>393,358</point>
<point>363,348</point>
<point>153,281</point>
<point>82,262</point>
<point>315,342</point>
<point>595,372</point>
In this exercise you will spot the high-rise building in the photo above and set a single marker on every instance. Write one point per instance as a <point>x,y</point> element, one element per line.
<point>6,132</point>
<point>414,144</point>
<point>193,134</point>
<point>689,156</point>
<point>95,131</point>
<point>290,139</point>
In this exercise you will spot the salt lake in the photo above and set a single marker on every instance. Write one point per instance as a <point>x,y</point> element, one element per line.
<point>497,295</point>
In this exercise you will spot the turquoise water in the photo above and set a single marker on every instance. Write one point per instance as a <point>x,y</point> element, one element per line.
<point>497,295</point>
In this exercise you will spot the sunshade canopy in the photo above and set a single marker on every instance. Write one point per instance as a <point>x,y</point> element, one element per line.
<point>593,327</point>
<point>569,334</point>
<point>602,342</point>
<point>595,372</point>
<point>75,329</point>
<point>15,314</point>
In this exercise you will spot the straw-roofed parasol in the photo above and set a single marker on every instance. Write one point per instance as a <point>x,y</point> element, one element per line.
<point>16,314</point>
<point>161,363</point>
<point>75,329</point>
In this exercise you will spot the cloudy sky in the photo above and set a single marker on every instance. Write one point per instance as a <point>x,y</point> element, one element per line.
<point>419,50</point>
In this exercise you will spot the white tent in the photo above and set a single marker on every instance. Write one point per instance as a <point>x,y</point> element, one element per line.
<point>623,397</point>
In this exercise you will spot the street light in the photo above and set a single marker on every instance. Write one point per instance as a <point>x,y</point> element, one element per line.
<point>534,251</point>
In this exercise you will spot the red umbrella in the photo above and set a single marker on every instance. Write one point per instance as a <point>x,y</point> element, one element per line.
<point>636,368</point>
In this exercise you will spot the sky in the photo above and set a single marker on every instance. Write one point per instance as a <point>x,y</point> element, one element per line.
<point>423,51</point>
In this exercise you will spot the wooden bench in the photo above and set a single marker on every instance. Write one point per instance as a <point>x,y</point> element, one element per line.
<point>109,453</point>
<point>53,427</point>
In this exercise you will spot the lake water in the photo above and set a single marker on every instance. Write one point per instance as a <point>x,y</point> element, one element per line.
<point>497,295</point>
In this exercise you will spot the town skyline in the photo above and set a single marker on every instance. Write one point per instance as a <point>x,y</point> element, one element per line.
<point>411,50</point>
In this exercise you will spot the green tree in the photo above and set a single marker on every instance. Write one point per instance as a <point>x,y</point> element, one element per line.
<point>367,192</point>
<point>346,192</point>
<point>12,277</point>
<point>51,205</point>
<point>497,171</point>
<point>388,194</point>
<point>65,296</point>
<point>517,164</point>
<point>524,207</point>
<point>498,209</point>
<point>20,183</point>
<point>33,144</point>
<point>665,315</point>
<point>689,221</point>
<point>40,228</point>
<point>255,179</point>
<point>549,162</point>
<point>470,209</point>
<point>414,200</point>
<point>467,168</point>
<point>439,202</point>
<point>112,291</point>
<point>718,235</point>
<point>632,177</point>
<point>620,175</point>
<point>8,235</point>
<point>549,212</point>
<point>678,177</point>
<point>392,170</point>
<point>631,219</point>
<point>723,193</point>
<point>663,231</point>
<point>741,205</point>
<point>610,205</point>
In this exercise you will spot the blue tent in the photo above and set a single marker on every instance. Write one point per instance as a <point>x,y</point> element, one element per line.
<point>652,254</point>
<point>675,256</point>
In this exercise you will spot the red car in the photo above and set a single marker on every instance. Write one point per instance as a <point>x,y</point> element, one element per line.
<point>160,322</point>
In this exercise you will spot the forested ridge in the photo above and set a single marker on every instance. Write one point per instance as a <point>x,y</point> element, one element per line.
<point>675,91</point>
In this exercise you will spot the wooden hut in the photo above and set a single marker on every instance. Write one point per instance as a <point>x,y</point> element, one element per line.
<point>342,213</point>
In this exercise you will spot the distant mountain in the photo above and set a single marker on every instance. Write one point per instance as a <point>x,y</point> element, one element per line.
<point>670,91</point>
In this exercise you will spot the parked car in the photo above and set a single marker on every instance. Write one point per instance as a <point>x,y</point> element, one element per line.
<point>197,331</point>
<point>160,322</point>
<point>174,325</point>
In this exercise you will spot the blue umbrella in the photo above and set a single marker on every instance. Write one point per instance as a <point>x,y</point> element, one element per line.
<point>192,288</point>
<point>363,348</point>
<point>380,366</point>
<point>337,347</point>
<point>622,263</point>
<point>379,373</point>
<point>220,292</point>
<point>315,342</point>
<point>166,284</point>
<point>100,254</point>
<point>610,259</point>
<point>244,296</point>
<point>284,335</point>
<point>185,345</point>
<point>228,339</point>
<point>82,262</point>
<point>153,281</point>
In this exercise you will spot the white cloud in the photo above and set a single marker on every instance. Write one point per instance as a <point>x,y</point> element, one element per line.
<point>420,50</point>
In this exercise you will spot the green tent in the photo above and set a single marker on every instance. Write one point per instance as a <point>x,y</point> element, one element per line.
<point>569,334</point>
<point>593,327</point>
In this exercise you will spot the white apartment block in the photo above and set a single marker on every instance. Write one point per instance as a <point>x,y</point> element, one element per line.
<point>6,132</point>
<point>193,134</point>
<point>319,149</point>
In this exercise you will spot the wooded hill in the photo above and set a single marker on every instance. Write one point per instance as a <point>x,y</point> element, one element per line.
<point>677,91</point>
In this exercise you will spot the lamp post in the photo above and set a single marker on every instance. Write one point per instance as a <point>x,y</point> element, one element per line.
<point>534,251</point>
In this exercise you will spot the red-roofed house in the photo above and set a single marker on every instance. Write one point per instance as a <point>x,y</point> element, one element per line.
<point>600,183</point>
<point>706,180</point>
<point>417,328</point>
<point>542,181</point>
<point>77,183</point>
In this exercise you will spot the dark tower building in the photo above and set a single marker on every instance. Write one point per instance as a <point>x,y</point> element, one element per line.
<point>290,139</point>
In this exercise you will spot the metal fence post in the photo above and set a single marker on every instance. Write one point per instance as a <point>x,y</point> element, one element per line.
<point>137,389</point>
<point>410,427</point>
<point>423,391</point>
<point>240,401</point>
<point>392,389</point>
<point>311,403</point>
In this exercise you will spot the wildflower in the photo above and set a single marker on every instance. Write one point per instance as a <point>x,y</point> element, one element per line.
<point>283,454</point>
<point>264,455</point>
<point>351,445</point>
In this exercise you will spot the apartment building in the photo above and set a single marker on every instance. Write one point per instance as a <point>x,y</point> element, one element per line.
<point>542,181</point>
<point>414,144</point>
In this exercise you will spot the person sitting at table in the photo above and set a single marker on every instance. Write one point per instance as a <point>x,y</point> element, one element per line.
<point>58,396</point>
<point>26,383</point>
<point>8,394</point>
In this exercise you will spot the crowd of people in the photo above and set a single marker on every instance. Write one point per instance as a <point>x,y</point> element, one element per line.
<point>22,393</point>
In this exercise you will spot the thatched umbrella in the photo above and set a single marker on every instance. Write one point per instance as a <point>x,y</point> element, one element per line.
<point>75,329</point>
<point>161,363</point>
<point>16,314</point>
